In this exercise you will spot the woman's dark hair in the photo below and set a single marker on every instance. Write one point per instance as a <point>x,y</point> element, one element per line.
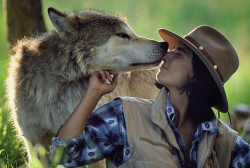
<point>202,91</point>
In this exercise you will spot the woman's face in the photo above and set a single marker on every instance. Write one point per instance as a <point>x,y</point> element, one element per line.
<point>177,68</point>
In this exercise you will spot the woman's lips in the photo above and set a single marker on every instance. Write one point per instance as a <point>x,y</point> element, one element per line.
<point>164,67</point>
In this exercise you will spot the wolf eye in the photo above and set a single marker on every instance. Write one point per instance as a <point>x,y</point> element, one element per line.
<point>122,35</point>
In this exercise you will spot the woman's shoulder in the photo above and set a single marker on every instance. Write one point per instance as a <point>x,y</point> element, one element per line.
<point>224,128</point>
<point>227,135</point>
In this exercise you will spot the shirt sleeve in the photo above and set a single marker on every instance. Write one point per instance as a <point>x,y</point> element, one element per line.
<point>240,157</point>
<point>104,137</point>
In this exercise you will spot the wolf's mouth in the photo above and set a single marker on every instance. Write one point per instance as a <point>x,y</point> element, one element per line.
<point>147,64</point>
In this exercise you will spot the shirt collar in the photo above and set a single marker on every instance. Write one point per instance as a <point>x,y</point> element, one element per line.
<point>209,126</point>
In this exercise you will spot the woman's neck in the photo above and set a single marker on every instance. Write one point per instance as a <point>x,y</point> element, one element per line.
<point>180,104</point>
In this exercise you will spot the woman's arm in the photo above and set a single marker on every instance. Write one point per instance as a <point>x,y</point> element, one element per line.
<point>104,136</point>
<point>98,86</point>
<point>240,156</point>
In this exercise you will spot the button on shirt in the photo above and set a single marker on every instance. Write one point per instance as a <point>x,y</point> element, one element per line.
<point>105,136</point>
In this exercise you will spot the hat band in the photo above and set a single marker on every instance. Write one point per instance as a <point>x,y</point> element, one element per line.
<point>205,53</point>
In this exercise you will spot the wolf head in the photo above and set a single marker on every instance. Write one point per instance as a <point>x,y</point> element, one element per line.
<point>104,41</point>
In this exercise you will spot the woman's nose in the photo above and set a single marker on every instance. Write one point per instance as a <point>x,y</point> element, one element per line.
<point>167,57</point>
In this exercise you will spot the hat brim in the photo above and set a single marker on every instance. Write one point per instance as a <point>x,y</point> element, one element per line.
<point>174,39</point>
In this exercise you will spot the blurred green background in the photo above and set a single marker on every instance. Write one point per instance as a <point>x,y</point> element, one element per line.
<point>145,17</point>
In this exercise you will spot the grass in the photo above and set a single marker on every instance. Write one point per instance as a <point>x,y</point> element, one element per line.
<point>145,17</point>
<point>11,153</point>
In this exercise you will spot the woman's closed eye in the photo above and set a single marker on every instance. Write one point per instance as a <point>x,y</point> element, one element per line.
<point>178,54</point>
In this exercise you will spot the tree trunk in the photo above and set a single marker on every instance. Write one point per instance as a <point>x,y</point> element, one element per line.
<point>23,18</point>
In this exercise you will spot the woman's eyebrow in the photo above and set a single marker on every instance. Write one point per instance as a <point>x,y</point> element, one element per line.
<point>182,49</point>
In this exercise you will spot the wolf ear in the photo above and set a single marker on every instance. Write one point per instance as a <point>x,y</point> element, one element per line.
<point>62,24</point>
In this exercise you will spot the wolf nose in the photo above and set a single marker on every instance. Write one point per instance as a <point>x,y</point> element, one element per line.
<point>164,45</point>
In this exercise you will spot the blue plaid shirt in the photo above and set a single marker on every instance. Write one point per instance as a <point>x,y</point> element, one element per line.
<point>105,136</point>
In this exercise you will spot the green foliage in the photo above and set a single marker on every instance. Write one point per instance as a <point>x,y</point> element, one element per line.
<point>145,17</point>
<point>11,153</point>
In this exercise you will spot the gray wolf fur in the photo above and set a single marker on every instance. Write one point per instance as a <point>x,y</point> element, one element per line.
<point>48,74</point>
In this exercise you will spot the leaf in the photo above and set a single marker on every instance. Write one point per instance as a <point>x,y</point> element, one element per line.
<point>2,150</point>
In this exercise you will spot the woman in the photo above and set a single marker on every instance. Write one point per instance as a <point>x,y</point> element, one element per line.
<point>178,129</point>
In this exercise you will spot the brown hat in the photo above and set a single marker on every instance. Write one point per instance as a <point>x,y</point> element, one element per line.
<point>215,51</point>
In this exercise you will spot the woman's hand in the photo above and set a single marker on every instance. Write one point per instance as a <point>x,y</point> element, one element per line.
<point>103,81</point>
<point>98,86</point>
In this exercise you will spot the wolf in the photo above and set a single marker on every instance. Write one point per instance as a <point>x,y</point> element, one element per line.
<point>49,73</point>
